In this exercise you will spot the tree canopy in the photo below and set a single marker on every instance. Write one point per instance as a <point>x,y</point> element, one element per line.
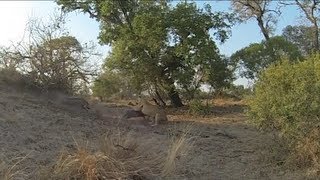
<point>311,12</point>
<point>160,45</point>
<point>258,56</point>
<point>259,10</point>
<point>301,36</point>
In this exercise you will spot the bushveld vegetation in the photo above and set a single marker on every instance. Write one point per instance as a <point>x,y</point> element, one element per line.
<point>170,53</point>
<point>286,99</point>
<point>49,58</point>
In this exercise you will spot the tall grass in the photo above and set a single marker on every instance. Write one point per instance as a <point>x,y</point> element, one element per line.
<point>179,146</point>
<point>120,156</point>
<point>12,169</point>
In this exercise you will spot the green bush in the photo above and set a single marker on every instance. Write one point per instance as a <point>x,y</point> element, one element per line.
<point>287,98</point>
<point>238,91</point>
<point>196,107</point>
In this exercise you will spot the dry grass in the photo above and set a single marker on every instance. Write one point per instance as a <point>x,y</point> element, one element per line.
<point>120,156</point>
<point>179,146</point>
<point>303,155</point>
<point>12,170</point>
<point>307,151</point>
<point>110,161</point>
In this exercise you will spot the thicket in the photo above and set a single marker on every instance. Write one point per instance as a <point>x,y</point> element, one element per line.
<point>287,99</point>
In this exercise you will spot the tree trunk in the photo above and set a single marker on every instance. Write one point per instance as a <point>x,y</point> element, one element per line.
<point>159,98</point>
<point>263,29</point>
<point>175,98</point>
<point>173,94</point>
<point>316,38</point>
<point>155,101</point>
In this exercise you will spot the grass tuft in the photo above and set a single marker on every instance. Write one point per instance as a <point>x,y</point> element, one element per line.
<point>121,156</point>
<point>12,170</point>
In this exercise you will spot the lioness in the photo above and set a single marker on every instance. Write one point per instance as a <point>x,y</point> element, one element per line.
<point>156,114</point>
<point>134,112</point>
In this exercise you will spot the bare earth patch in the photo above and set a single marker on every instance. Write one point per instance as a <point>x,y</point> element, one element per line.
<point>225,147</point>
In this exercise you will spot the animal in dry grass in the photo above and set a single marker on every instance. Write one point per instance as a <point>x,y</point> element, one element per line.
<point>136,106</point>
<point>131,104</point>
<point>153,112</point>
<point>131,113</point>
<point>135,111</point>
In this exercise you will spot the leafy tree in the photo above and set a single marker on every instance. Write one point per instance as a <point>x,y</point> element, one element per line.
<point>159,45</point>
<point>219,75</point>
<point>111,84</point>
<point>310,9</point>
<point>258,56</point>
<point>301,36</point>
<point>106,85</point>
<point>238,91</point>
<point>259,10</point>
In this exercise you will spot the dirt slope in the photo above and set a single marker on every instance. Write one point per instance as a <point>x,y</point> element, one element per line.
<point>225,147</point>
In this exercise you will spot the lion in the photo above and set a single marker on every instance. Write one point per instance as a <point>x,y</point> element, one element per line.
<point>135,111</point>
<point>156,114</point>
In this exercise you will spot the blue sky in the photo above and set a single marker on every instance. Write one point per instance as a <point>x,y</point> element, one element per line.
<point>247,33</point>
<point>14,15</point>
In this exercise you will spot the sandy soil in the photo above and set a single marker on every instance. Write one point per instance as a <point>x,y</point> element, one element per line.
<point>225,147</point>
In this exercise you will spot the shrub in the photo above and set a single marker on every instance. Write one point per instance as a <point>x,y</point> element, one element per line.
<point>111,85</point>
<point>51,58</point>
<point>287,98</point>
<point>14,78</point>
<point>196,107</point>
<point>238,91</point>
